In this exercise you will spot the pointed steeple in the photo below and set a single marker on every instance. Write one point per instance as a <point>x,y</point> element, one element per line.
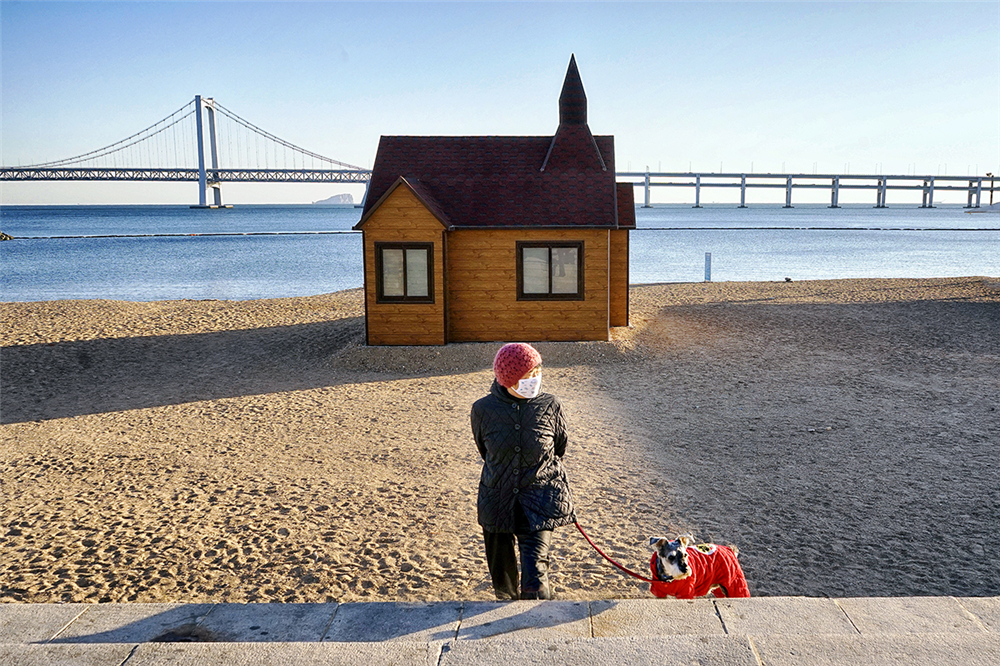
<point>573,146</point>
<point>572,100</point>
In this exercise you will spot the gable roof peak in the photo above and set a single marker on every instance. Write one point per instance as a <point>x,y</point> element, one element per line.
<point>419,190</point>
<point>573,99</point>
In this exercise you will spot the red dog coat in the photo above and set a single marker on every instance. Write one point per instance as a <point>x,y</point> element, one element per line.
<point>709,565</point>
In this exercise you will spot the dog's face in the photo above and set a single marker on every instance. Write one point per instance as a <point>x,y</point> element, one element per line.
<point>671,557</point>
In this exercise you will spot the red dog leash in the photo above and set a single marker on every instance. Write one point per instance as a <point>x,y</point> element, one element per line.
<point>630,573</point>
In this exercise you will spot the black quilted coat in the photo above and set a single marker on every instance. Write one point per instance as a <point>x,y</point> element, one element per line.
<point>521,442</point>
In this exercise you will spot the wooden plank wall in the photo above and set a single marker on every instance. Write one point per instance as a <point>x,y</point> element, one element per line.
<point>618,283</point>
<point>482,289</point>
<point>403,218</point>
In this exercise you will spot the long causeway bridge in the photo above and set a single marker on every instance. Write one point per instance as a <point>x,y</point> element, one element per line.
<point>203,135</point>
<point>879,185</point>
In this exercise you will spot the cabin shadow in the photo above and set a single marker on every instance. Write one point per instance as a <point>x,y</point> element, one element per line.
<point>74,378</point>
<point>66,379</point>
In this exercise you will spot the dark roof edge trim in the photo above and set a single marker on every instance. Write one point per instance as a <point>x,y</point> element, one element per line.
<point>548,153</point>
<point>522,227</point>
<point>593,142</point>
<point>420,197</point>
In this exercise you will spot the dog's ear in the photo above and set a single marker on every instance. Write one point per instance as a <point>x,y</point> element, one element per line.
<point>686,540</point>
<point>656,542</point>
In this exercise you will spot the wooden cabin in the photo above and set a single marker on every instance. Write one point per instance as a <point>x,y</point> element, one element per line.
<point>496,238</point>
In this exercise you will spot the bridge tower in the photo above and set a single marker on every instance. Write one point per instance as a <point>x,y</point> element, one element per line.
<point>204,182</point>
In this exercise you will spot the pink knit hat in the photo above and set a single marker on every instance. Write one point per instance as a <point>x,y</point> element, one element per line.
<point>513,361</point>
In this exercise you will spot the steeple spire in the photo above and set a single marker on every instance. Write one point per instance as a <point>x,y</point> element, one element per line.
<point>572,100</point>
<point>573,146</point>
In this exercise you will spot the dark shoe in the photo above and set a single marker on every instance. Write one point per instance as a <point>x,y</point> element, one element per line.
<point>544,593</point>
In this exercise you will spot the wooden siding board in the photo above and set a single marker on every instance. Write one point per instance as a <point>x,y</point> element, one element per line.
<point>411,321</point>
<point>482,289</point>
<point>403,218</point>
<point>618,278</point>
<point>480,305</point>
<point>497,334</point>
<point>497,286</point>
<point>543,323</point>
<point>410,338</point>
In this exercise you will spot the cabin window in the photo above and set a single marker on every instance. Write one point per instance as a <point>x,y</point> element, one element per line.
<point>404,272</point>
<point>550,271</point>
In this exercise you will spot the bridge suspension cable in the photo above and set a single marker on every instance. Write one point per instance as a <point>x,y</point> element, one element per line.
<point>264,133</point>
<point>119,146</point>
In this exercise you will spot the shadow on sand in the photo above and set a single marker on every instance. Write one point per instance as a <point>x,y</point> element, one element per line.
<point>58,380</point>
<point>327,622</point>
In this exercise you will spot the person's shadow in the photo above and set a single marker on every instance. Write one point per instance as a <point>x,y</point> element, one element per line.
<point>326,622</point>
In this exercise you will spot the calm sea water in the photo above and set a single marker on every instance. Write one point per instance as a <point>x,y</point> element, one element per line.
<point>145,253</point>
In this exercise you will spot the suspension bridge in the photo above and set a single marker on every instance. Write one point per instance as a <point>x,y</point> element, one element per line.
<point>191,145</point>
<point>205,142</point>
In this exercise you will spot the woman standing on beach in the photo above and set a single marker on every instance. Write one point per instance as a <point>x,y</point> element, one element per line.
<point>523,492</point>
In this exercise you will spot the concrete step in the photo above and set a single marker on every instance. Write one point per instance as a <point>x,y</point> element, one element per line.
<point>771,650</point>
<point>761,630</point>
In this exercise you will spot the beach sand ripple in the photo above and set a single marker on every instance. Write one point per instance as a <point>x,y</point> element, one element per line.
<point>842,433</point>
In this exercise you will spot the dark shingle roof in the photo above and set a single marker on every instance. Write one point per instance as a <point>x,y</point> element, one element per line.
<point>626,206</point>
<point>497,181</point>
<point>566,180</point>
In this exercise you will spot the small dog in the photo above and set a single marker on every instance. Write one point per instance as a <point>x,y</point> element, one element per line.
<point>688,573</point>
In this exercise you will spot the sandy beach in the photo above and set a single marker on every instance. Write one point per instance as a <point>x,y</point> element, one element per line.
<point>843,434</point>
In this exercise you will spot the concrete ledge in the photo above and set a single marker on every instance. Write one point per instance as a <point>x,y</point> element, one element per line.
<point>985,609</point>
<point>395,653</point>
<point>130,623</point>
<point>222,654</point>
<point>525,620</point>
<point>623,651</point>
<point>36,623</point>
<point>783,615</point>
<point>389,621</point>
<point>910,615</point>
<point>655,617</point>
<point>948,649</point>
<point>81,654</point>
<point>881,650</point>
<point>286,623</point>
<point>763,630</point>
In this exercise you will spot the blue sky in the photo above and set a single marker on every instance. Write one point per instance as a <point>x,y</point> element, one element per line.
<point>793,86</point>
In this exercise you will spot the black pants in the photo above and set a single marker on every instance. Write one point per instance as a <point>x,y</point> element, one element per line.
<point>502,560</point>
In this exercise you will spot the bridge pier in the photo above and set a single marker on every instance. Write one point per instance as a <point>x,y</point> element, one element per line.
<point>697,192</point>
<point>975,191</point>
<point>880,193</point>
<point>788,193</point>
<point>835,193</point>
<point>928,193</point>
<point>203,182</point>
<point>743,190</point>
<point>646,204</point>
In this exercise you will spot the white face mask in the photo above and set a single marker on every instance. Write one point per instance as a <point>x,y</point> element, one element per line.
<point>529,388</point>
